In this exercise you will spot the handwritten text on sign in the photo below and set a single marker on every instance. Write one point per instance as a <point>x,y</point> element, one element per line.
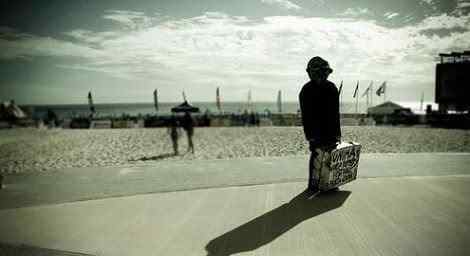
<point>343,164</point>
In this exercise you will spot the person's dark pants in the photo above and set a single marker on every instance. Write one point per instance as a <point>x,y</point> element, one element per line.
<point>174,140</point>
<point>312,181</point>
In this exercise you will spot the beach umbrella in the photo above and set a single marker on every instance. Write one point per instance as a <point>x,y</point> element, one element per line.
<point>279,102</point>
<point>90,103</point>
<point>155,99</point>
<point>184,107</point>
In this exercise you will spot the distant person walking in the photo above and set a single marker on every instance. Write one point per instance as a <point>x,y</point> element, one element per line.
<point>188,126</point>
<point>319,105</point>
<point>173,130</point>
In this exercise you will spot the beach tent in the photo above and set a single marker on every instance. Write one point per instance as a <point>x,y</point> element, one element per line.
<point>184,107</point>
<point>10,109</point>
<point>386,108</point>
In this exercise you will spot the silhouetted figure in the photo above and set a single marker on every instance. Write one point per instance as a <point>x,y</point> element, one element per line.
<point>319,105</point>
<point>252,119</point>
<point>51,118</point>
<point>188,126</point>
<point>269,226</point>
<point>10,109</point>
<point>173,130</point>
<point>245,117</point>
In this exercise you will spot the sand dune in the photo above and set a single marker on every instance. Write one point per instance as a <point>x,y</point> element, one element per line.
<point>35,150</point>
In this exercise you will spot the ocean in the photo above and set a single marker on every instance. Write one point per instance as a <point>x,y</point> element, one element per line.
<point>134,109</point>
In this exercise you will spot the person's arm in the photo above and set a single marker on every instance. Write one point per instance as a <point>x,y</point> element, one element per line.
<point>311,116</point>
<point>338,116</point>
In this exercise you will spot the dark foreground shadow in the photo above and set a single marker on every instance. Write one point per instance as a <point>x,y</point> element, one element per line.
<point>267,227</point>
<point>153,158</point>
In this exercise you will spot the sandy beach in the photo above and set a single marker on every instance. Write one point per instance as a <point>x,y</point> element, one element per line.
<point>38,150</point>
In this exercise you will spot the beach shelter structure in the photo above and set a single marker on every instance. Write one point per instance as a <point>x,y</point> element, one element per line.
<point>386,108</point>
<point>185,107</point>
<point>11,110</point>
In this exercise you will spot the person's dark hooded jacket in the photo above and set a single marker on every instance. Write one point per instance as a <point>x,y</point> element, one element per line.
<point>319,105</point>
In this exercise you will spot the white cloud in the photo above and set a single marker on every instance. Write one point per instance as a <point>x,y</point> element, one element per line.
<point>355,12</point>
<point>462,8</point>
<point>129,19</point>
<point>21,45</point>
<point>286,4</point>
<point>463,4</point>
<point>238,53</point>
<point>391,15</point>
<point>91,37</point>
<point>445,21</point>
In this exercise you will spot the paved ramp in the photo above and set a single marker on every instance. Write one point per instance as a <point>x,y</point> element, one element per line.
<point>93,183</point>
<point>374,216</point>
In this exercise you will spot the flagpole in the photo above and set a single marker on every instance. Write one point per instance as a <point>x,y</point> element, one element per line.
<point>279,102</point>
<point>422,100</point>
<point>372,94</point>
<point>217,99</point>
<point>367,100</point>
<point>357,96</point>
<point>341,97</point>
<point>357,102</point>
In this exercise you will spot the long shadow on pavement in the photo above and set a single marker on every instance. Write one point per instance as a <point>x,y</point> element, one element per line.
<point>267,227</point>
<point>153,158</point>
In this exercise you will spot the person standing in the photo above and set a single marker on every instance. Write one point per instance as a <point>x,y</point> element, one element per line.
<point>319,106</point>
<point>173,130</point>
<point>188,126</point>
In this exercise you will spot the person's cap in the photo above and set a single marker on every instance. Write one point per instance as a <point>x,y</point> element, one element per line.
<point>317,63</point>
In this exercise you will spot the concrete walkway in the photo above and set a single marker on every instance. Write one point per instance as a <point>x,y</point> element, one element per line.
<point>78,184</point>
<point>402,213</point>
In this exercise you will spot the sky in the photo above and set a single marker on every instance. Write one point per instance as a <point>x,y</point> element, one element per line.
<point>54,52</point>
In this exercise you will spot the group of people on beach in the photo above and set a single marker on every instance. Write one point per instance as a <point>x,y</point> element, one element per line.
<point>174,130</point>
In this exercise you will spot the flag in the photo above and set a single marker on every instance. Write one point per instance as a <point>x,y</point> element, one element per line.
<point>249,99</point>
<point>217,99</point>
<point>367,90</point>
<point>355,91</point>
<point>184,97</point>
<point>279,102</point>
<point>381,89</point>
<point>340,87</point>
<point>90,103</point>
<point>155,99</point>
<point>422,101</point>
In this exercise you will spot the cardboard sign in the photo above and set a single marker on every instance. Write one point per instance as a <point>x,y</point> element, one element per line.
<point>337,167</point>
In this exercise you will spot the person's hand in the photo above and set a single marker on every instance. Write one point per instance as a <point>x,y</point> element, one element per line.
<point>329,147</point>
